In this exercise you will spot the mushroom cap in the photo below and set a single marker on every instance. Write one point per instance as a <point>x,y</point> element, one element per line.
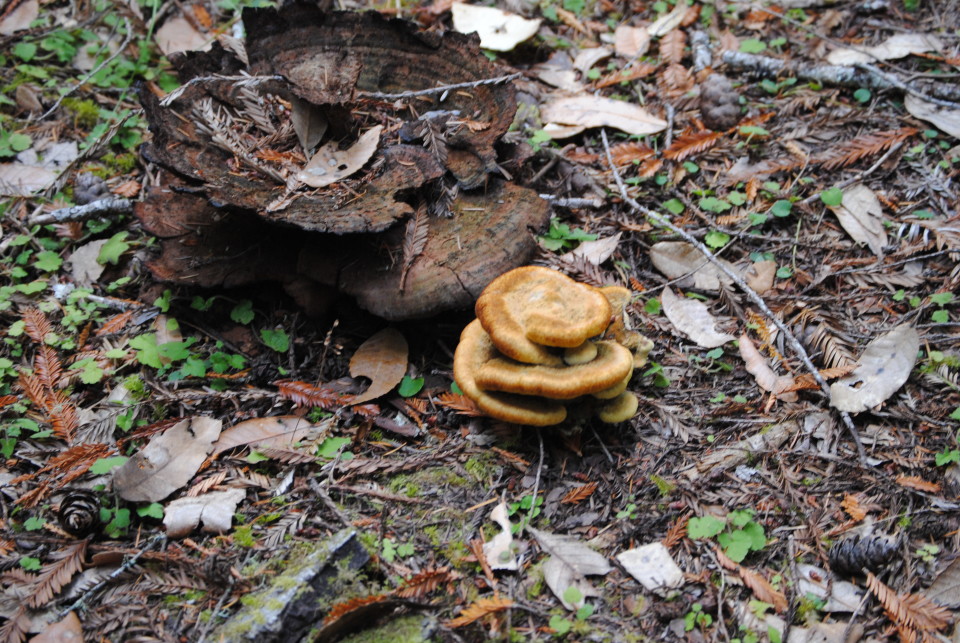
<point>581,354</point>
<point>621,408</point>
<point>473,351</point>
<point>612,364</point>
<point>530,308</point>
<point>615,390</point>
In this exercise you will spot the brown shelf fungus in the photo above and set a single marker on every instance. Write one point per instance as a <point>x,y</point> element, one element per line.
<point>541,342</point>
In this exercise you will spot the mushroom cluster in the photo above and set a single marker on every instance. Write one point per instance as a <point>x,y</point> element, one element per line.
<point>542,341</point>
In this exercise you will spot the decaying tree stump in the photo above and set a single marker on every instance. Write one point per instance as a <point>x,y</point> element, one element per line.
<point>417,224</point>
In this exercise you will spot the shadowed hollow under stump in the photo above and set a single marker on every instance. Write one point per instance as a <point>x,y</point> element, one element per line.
<point>420,227</point>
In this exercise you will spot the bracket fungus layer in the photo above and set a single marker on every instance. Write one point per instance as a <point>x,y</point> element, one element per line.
<point>542,342</point>
<point>407,216</point>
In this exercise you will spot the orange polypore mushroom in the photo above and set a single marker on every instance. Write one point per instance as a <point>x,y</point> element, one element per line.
<point>530,349</point>
<point>474,350</point>
<point>528,310</point>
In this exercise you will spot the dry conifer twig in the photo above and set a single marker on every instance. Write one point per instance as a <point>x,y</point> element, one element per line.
<point>442,89</point>
<point>109,205</point>
<point>737,279</point>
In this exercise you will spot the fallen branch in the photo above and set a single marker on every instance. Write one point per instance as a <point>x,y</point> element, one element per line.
<point>861,75</point>
<point>737,279</point>
<point>109,205</point>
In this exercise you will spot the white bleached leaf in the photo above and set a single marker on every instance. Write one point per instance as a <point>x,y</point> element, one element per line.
<point>597,111</point>
<point>499,550</point>
<point>943,118</point>
<point>838,595</point>
<point>498,30</point>
<point>559,132</point>
<point>653,566</point>
<point>570,562</point>
<point>861,215</point>
<point>167,462</point>
<point>898,46</point>
<point>630,42</point>
<point>884,367</point>
<point>681,261</point>
<point>20,18</point>
<point>21,179</point>
<point>596,252</point>
<point>668,22</point>
<point>215,510</point>
<point>693,319</point>
<point>84,265</point>
<point>331,164</point>
<point>589,57</point>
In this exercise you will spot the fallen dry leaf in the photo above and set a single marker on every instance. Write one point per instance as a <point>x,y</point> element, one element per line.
<point>598,111</point>
<point>944,118</point>
<point>897,46</point>
<point>653,566</point>
<point>498,30</point>
<point>309,122</point>
<point>884,367</point>
<point>760,275</point>
<point>693,319</point>
<point>570,562</point>
<point>177,34</point>
<point>917,483</point>
<point>861,215</point>
<point>168,461</point>
<point>945,588</point>
<point>595,252</point>
<point>331,164</point>
<point>84,265</point>
<point>20,179</point>
<point>214,509</point>
<point>68,630</point>
<point>631,42</point>
<point>382,359</point>
<point>681,261</point>
<point>668,22</point>
<point>279,431</point>
<point>20,18</point>
<point>766,379</point>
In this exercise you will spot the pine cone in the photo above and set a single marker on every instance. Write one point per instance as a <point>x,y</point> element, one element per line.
<point>79,513</point>
<point>719,103</point>
<point>851,556</point>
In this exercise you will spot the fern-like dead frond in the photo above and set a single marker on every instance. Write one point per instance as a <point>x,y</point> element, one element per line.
<point>863,147</point>
<point>477,610</point>
<point>58,574</point>
<point>910,612</point>
<point>424,583</point>
<point>303,394</point>
<point>115,324</point>
<point>672,46</point>
<point>462,404</point>
<point>48,368</point>
<point>414,241</point>
<point>36,325</point>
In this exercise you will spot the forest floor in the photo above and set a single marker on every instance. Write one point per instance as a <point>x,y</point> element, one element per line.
<point>794,465</point>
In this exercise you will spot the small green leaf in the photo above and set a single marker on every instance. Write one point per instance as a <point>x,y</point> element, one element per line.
<point>713,204</point>
<point>277,339</point>
<point>674,206</point>
<point>781,208</point>
<point>572,595</point>
<point>30,563</point>
<point>900,295</point>
<point>410,386</point>
<point>752,46</point>
<point>558,624</point>
<point>255,456</point>
<point>242,313</point>
<point>652,307</point>
<point>106,465</point>
<point>25,51</point>
<point>784,272</point>
<point>832,197</point>
<point>940,316</point>
<point>942,298</point>
<point>330,447</point>
<point>153,510</point>
<point>706,527</point>
<point>455,388</point>
<point>862,95</point>
<point>47,261</point>
<point>956,414</point>
<point>34,523</point>
<point>114,247</point>
<point>716,239</point>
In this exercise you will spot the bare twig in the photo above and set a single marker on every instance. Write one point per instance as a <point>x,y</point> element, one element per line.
<point>243,80</point>
<point>127,564</point>
<point>751,294</point>
<point>100,207</point>
<point>442,88</point>
<point>571,202</point>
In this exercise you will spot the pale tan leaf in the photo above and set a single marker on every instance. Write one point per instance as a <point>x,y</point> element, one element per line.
<point>278,431</point>
<point>21,179</point>
<point>766,379</point>
<point>500,550</point>
<point>653,566</point>
<point>20,18</point>
<point>84,265</point>
<point>589,57</point>
<point>668,22</point>
<point>897,46</point>
<point>760,275</point>
<point>215,510</point>
<point>570,562</point>
<point>382,359</point>
<point>168,461</point>
<point>693,319</point>
<point>68,630</point>
<point>595,252</point>
<point>598,111</point>
<point>945,588</point>
<point>331,164</point>
<point>884,367</point>
<point>681,261</point>
<point>838,595</point>
<point>178,34</point>
<point>861,215</point>
<point>944,118</point>
<point>631,42</point>
<point>309,122</point>
<point>498,30</point>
